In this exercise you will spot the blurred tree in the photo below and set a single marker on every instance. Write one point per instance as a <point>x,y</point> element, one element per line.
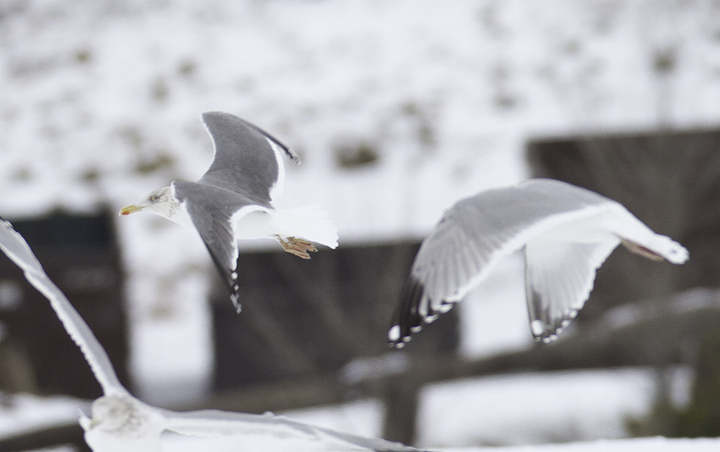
<point>701,418</point>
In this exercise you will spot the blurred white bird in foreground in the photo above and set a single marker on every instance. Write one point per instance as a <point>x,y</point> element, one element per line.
<point>567,232</point>
<point>122,423</point>
<point>233,199</point>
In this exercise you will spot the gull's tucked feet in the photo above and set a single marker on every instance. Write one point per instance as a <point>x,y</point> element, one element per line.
<point>641,250</point>
<point>298,247</point>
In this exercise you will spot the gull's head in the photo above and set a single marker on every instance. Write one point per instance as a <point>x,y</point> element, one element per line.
<point>160,201</point>
<point>110,413</point>
<point>120,423</point>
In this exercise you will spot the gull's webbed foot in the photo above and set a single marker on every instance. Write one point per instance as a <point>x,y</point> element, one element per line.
<point>298,247</point>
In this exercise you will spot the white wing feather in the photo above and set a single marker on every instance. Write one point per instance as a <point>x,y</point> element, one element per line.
<point>210,423</point>
<point>17,249</point>
<point>558,279</point>
<point>477,253</point>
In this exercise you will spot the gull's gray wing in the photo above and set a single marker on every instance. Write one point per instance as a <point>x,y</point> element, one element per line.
<point>17,249</point>
<point>213,211</point>
<point>211,423</point>
<point>247,159</point>
<point>474,234</point>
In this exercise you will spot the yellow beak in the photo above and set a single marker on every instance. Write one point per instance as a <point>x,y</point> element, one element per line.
<point>132,208</point>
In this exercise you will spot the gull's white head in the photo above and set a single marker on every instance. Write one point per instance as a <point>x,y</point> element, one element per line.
<point>160,202</point>
<point>112,413</point>
<point>164,203</point>
<point>120,423</point>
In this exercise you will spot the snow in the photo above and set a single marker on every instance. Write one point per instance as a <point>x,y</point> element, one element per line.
<point>555,407</point>
<point>632,445</point>
<point>22,411</point>
<point>101,104</point>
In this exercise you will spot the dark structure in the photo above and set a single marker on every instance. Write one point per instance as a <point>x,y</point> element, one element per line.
<point>80,254</point>
<point>305,318</point>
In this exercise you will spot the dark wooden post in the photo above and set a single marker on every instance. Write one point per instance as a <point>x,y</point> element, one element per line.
<point>48,437</point>
<point>401,398</point>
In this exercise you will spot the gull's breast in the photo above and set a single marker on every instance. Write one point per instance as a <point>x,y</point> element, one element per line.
<point>256,224</point>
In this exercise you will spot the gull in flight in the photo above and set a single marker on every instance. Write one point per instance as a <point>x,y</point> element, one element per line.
<point>121,423</point>
<point>566,233</point>
<point>233,199</point>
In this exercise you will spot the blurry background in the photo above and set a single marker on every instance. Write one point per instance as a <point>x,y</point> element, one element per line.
<point>398,109</point>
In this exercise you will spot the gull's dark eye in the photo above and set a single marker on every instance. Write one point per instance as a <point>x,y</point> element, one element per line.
<point>153,198</point>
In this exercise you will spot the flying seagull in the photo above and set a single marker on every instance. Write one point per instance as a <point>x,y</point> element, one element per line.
<point>233,199</point>
<point>120,422</point>
<point>566,233</point>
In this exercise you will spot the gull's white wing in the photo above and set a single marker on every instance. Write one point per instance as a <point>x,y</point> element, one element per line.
<point>559,276</point>
<point>211,423</point>
<point>470,238</point>
<point>17,249</point>
<point>560,264</point>
<point>476,232</point>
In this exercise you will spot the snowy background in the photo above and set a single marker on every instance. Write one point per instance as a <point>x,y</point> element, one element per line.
<point>100,103</point>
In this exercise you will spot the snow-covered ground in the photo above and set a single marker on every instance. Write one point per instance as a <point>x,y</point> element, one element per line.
<point>101,102</point>
<point>634,445</point>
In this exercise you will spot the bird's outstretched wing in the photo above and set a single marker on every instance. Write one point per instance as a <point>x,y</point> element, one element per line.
<point>564,229</point>
<point>247,159</point>
<point>471,237</point>
<point>214,211</point>
<point>558,279</point>
<point>17,249</point>
<point>210,423</point>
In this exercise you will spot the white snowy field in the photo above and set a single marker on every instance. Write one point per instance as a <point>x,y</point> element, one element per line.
<point>634,445</point>
<point>101,102</point>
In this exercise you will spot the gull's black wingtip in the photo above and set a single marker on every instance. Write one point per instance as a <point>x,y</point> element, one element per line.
<point>229,276</point>
<point>545,325</point>
<point>234,288</point>
<point>407,319</point>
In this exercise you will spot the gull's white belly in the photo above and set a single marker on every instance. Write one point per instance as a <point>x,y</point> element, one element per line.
<point>255,225</point>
